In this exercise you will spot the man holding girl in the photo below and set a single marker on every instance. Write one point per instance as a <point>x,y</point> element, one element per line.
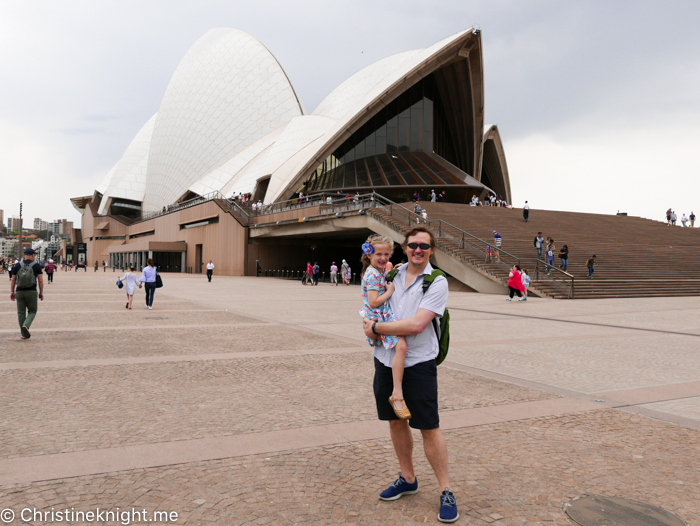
<point>413,311</point>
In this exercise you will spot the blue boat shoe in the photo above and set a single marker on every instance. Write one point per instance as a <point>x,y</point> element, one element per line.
<point>399,488</point>
<point>448,507</point>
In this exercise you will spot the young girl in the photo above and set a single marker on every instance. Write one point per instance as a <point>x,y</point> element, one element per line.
<point>375,292</point>
<point>526,282</point>
<point>130,283</point>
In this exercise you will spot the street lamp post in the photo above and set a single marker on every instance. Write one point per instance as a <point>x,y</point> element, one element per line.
<point>20,231</point>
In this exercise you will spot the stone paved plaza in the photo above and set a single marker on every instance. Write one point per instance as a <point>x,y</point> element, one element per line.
<point>249,401</point>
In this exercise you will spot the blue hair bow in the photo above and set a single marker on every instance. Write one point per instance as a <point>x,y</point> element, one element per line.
<point>367,248</point>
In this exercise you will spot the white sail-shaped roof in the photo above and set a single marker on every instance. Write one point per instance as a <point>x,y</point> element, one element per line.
<point>347,104</point>
<point>228,92</point>
<point>230,118</point>
<point>128,179</point>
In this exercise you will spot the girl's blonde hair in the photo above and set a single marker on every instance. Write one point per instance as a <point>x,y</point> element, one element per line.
<point>374,240</point>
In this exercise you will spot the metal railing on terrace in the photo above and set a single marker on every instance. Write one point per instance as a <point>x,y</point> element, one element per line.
<point>211,196</point>
<point>558,278</point>
<point>327,201</point>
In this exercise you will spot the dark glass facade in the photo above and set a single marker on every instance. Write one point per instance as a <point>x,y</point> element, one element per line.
<point>393,148</point>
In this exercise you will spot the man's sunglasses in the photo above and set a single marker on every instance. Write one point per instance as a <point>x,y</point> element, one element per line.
<point>423,246</point>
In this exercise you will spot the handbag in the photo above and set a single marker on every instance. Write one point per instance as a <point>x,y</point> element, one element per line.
<point>159,281</point>
<point>120,284</point>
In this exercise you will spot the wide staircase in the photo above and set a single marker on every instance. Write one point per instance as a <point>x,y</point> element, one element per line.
<point>635,257</point>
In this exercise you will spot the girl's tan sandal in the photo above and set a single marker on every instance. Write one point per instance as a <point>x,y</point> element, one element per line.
<point>403,413</point>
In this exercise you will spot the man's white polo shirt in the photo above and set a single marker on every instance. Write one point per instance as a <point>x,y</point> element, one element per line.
<point>405,303</point>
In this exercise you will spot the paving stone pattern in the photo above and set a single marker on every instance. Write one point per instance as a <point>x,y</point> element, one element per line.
<point>517,473</point>
<point>100,407</point>
<point>135,342</point>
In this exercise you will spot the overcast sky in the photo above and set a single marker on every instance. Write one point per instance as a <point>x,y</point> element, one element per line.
<point>597,101</point>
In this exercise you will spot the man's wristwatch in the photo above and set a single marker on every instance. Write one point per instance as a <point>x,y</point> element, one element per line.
<point>373,328</point>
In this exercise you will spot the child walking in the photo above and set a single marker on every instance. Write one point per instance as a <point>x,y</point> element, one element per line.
<point>376,252</point>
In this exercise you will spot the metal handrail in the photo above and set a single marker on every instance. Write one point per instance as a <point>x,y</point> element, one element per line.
<point>179,206</point>
<point>311,200</point>
<point>567,279</point>
<point>236,207</point>
<point>440,222</point>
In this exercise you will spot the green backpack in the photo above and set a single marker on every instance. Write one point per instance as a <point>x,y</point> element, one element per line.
<point>25,276</point>
<point>443,330</point>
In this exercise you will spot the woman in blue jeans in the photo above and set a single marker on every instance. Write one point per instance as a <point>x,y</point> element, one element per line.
<point>148,278</point>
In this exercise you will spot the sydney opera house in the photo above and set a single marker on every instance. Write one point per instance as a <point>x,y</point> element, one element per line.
<point>231,122</point>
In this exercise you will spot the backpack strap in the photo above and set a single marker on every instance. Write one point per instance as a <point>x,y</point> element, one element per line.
<point>428,280</point>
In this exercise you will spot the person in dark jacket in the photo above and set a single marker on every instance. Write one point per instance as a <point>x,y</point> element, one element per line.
<point>564,256</point>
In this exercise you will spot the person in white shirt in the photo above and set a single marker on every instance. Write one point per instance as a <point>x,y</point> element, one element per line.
<point>424,215</point>
<point>684,220</point>
<point>526,211</point>
<point>334,272</point>
<point>329,200</point>
<point>433,197</point>
<point>210,270</point>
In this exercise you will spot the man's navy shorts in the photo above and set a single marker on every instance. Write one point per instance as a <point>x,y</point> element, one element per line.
<point>420,391</point>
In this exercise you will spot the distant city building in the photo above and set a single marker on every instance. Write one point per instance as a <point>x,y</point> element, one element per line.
<point>39,224</point>
<point>2,217</point>
<point>60,227</point>
<point>14,224</point>
<point>7,247</point>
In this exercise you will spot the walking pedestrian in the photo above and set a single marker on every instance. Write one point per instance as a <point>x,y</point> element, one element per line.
<point>497,245</point>
<point>564,256</point>
<point>148,278</point>
<point>316,271</point>
<point>25,277</point>
<point>692,219</point>
<point>105,264</point>
<point>550,255</point>
<point>433,197</point>
<point>97,265</point>
<point>668,217</point>
<point>539,243</point>
<point>414,311</point>
<point>50,268</point>
<point>674,218</point>
<point>130,282</point>
<point>684,220</point>
<point>526,211</point>
<point>334,274</point>
<point>348,277</point>
<point>526,282</point>
<point>210,270</point>
<point>591,266</point>
<point>309,277</point>
<point>344,267</point>
<point>515,283</point>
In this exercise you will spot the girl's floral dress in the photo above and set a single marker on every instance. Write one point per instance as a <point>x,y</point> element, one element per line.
<point>374,280</point>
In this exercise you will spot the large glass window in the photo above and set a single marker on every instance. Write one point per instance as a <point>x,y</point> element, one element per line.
<point>383,151</point>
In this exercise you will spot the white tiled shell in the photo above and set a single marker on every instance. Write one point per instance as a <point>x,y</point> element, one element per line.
<point>248,176</point>
<point>228,92</point>
<point>128,180</point>
<point>299,133</point>
<point>224,177</point>
<point>102,187</point>
<point>348,100</point>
